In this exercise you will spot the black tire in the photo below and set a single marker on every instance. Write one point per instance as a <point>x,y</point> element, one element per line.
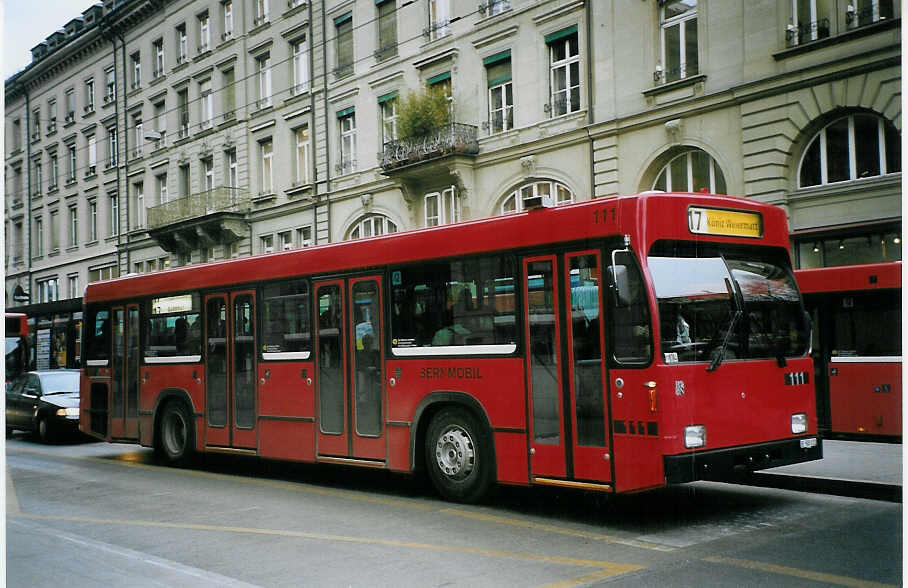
<point>176,433</point>
<point>459,455</point>
<point>45,434</point>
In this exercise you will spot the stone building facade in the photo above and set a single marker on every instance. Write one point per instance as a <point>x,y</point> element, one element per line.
<point>153,133</point>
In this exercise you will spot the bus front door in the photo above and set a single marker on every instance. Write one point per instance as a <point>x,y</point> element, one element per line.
<point>230,368</point>
<point>124,389</point>
<point>349,363</point>
<point>565,354</point>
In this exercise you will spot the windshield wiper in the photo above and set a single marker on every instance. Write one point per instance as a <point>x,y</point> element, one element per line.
<point>717,360</point>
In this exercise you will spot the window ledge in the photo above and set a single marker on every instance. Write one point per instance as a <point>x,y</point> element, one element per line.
<point>111,239</point>
<point>259,28</point>
<point>180,66</point>
<point>72,248</point>
<point>871,29</point>
<point>264,198</point>
<point>91,243</point>
<point>676,85</point>
<point>890,180</point>
<point>298,190</point>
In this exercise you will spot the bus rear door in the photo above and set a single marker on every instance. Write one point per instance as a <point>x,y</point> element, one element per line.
<point>565,353</point>
<point>124,388</point>
<point>349,364</point>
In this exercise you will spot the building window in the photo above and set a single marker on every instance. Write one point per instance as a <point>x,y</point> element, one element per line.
<point>136,59</point>
<point>228,94</point>
<point>92,156</point>
<point>556,191</point>
<point>36,124</point>
<point>182,44</point>
<point>73,226</point>
<point>206,104</point>
<point>157,48</point>
<point>92,221</point>
<point>261,12</point>
<point>809,22</point>
<point>39,179</point>
<point>388,106</point>
<point>73,286</point>
<point>184,180</point>
<point>304,236</point>
<point>71,172</point>
<point>138,191</point>
<point>371,226</point>
<point>140,135</point>
<point>266,243</point>
<point>564,71</point>
<point>51,116</point>
<point>47,290</point>
<point>266,149</point>
<point>103,273</point>
<point>850,247</point>
<point>208,173</point>
<point>501,92</point>
<point>343,45</point>
<point>692,171</point>
<point>183,113</point>
<point>161,181</point>
<point>443,207</point>
<point>679,48</point>
<point>231,167</point>
<point>39,236</point>
<point>54,170</point>
<point>263,65</point>
<point>495,6</point>
<point>851,148</point>
<point>70,106</point>
<point>204,32</point>
<point>439,19</point>
<point>227,13</point>
<point>110,86</point>
<point>387,30</point>
<point>54,230</point>
<point>867,12</point>
<point>111,147</point>
<point>17,135</point>
<point>346,120</point>
<point>160,124</point>
<point>300,65</point>
<point>89,95</point>
<point>302,155</point>
<point>285,240</point>
<point>114,215</point>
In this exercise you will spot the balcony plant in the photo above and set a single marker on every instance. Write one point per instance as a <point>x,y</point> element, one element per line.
<point>422,113</point>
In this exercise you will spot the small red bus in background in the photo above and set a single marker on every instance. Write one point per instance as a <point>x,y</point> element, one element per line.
<point>617,345</point>
<point>857,347</point>
<point>16,345</point>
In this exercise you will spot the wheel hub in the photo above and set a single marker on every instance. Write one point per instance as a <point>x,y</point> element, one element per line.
<point>454,453</point>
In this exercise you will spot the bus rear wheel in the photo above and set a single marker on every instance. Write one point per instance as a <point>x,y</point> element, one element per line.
<point>176,437</point>
<point>459,455</point>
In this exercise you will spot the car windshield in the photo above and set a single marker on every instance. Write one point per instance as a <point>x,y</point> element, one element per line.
<point>704,296</point>
<point>59,382</point>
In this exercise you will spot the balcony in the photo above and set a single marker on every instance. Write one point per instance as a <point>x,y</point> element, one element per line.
<point>806,32</point>
<point>450,140</point>
<point>205,219</point>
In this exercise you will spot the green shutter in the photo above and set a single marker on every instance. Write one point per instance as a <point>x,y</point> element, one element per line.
<point>345,17</point>
<point>492,60</point>
<point>345,112</point>
<point>386,97</point>
<point>572,30</point>
<point>439,78</point>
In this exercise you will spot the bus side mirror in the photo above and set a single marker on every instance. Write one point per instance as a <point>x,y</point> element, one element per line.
<point>620,285</point>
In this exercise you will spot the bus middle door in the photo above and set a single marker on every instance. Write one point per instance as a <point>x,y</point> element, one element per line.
<point>124,389</point>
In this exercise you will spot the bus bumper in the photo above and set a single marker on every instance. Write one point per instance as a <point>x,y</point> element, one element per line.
<point>726,464</point>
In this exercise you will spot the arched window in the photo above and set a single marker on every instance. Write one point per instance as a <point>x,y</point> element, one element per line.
<point>559,193</point>
<point>692,171</point>
<point>833,154</point>
<point>370,226</point>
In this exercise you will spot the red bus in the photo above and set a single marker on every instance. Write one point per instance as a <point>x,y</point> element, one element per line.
<point>16,345</point>
<point>857,347</point>
<point>614,345</point>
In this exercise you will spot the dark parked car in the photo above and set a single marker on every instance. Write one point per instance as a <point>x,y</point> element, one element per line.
<point>45,402</point>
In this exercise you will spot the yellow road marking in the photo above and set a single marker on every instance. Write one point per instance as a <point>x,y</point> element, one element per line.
<point>798,573</point>
<point>555,529</point>
<point>585,579</point>
<point>606,568</point>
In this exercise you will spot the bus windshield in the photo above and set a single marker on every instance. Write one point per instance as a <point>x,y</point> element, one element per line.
<point>726,304</point>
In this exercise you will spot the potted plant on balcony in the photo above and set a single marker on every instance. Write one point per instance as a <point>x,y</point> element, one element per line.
<point>423,112</point>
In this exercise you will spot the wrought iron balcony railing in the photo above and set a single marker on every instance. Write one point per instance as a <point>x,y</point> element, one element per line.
<point>451,139</point>
<point>221,199</point>
<point>806,32</point>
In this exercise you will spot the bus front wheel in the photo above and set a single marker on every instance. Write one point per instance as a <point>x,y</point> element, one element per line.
<point>459,455</point>
<point>176,438</point>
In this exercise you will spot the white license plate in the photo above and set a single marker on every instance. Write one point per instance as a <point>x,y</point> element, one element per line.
<point>808,443</point>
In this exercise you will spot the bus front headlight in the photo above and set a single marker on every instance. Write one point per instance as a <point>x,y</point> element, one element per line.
<point>799,423</point>
<point>694,436</point>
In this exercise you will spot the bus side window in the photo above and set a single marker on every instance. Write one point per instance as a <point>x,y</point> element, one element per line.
<point>98,335</point>
<point>630,321</point>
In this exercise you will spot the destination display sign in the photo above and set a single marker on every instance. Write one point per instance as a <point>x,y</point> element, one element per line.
<point>732,223</point>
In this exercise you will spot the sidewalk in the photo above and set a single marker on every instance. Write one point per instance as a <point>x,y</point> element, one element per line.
<point>851,468</point>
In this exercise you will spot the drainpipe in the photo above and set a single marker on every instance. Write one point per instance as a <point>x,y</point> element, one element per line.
<point>589,94</point>
<point>28,189</point>
<point>125,147</point>
<point>327,131</point>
